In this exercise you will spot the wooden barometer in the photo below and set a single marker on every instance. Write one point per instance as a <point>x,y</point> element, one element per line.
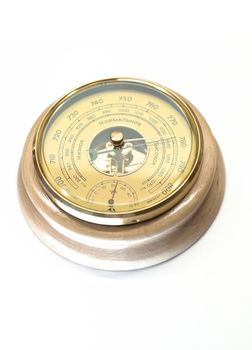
<point>120,174</point>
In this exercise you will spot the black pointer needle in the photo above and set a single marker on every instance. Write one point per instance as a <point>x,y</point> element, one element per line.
<point>111,200</point>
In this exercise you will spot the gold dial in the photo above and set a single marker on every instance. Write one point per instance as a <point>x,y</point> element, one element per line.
<point>118,151</point>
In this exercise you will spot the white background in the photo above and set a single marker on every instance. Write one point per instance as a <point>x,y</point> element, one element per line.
<point>199,300</point>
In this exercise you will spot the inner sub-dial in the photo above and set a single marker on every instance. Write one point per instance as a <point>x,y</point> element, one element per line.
<point>118,151</point>
<point>118,195</point>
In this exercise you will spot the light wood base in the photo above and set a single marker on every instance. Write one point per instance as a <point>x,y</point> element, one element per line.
<point>131,246</point>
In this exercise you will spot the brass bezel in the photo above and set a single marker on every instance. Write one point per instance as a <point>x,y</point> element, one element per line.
<point>126,217</point>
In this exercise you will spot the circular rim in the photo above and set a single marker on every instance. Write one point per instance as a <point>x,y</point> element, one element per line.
<point>126,217</point>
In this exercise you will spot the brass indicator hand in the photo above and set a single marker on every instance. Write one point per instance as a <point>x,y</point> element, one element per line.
<point>152,139</point>
<point>146,141</point>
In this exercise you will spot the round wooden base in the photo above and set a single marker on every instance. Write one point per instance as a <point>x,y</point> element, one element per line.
<point>125,247</point>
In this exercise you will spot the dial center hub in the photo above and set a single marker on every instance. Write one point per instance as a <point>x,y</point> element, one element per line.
<point>116,138</point>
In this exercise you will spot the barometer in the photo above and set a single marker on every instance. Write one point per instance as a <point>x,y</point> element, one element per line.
<point>120,174</point>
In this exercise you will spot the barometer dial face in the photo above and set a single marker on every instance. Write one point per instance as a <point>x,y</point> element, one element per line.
<point>118,151</point>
